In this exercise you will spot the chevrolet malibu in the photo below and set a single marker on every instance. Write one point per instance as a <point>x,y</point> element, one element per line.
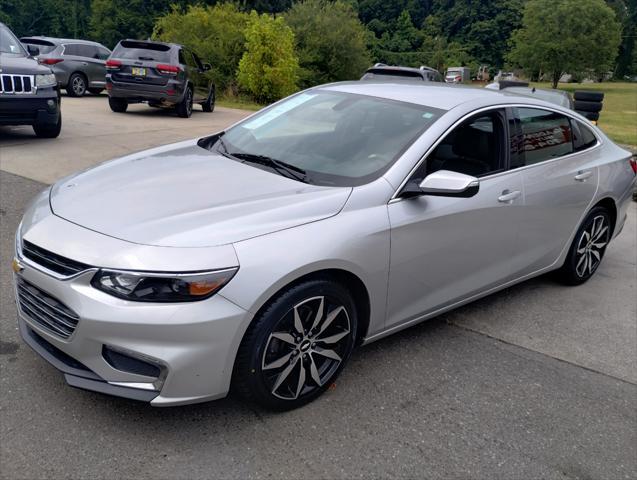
<point>259,257</point>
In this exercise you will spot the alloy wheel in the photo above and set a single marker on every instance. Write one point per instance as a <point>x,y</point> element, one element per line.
<point>78,86</point>
<point>189,102</point>
<point>306,348</point>
<point>591,246</point>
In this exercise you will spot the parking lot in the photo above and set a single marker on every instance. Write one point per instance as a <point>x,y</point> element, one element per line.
<point>537,381</point>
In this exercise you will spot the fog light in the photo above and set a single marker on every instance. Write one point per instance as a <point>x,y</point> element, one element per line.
<point>51,105</point>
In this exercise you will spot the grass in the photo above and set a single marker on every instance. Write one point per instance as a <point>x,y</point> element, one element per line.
<point>238,102</point>
<point>618,118</point>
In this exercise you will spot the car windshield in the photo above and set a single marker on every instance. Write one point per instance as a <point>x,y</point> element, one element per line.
<point>335,138</point>
<point>9,42</point>
<point>142,51</point>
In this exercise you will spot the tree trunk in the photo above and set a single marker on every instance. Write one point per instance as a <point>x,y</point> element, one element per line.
<point>556,78</point>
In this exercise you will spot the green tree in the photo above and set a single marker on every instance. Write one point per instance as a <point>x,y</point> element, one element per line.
<point>216,33</point>
<point>269,67</point>
<point>330,40</point>
<point>559,36</point>
<point>114,20</point>
<point>55,18</point>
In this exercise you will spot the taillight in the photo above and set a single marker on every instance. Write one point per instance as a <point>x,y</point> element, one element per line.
<point>633,164</point>
<point>50,61</point>
<point>113,64</point>
<point>171,69</point>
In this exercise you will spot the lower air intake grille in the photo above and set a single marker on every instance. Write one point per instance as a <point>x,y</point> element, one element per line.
<point>45,310</point>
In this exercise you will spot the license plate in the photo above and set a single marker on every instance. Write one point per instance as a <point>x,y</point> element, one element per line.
<point>139,72</point>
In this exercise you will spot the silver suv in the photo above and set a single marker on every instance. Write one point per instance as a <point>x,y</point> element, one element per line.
<point>78,65</point>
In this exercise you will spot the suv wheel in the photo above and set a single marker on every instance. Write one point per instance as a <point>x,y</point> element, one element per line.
<point>118,105</point>
<point>209,104</point>
<point>184,108</point>
<point>296,348</point>
<point>47,130</point>
<point>77,85</point>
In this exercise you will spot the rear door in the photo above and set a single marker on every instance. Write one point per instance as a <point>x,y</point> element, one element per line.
<point>195,73</point>
<point>560,180</point>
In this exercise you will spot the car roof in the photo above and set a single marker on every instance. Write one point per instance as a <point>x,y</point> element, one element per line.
<point>59,41</point>
<point>432,94</point>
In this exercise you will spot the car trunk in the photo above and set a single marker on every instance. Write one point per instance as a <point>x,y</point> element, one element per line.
<point>143,63</point>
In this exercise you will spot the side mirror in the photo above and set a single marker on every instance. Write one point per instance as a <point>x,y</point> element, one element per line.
<point>33,50</point>
<point>206,67</point>
<point>445,183</point>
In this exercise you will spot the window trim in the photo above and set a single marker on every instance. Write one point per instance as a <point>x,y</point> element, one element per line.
<point>508,108</point>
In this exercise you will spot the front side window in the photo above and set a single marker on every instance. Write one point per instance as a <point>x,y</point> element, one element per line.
<point>543,135</point>
<point>476,148</point>
<point>338,138</point>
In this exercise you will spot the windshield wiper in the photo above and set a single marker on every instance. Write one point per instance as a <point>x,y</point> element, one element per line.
<point>278,165</point>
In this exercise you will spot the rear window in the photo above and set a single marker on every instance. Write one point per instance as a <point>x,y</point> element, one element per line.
<point>154,52</point>
<point>43,45</point>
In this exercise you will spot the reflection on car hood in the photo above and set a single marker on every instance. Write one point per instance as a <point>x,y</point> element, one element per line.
<point>185,196</point>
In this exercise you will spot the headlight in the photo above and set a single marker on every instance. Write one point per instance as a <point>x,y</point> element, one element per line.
<point>161,287</point>
<point>45,80</point>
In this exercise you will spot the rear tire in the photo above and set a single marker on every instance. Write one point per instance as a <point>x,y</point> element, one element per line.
<point>118,105</point>
<point>592,116</point>
<point>294,350</point>
<point>209,104</point>
<point>46,130</point>
<point>184,108</point>
<point>77,85</point>
<point>95,91</point>
<point>588,248</point>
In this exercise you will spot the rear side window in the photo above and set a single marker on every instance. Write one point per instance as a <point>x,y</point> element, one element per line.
<point>43,45</point>
<point>544,135</point>
<point>153,52</point>
<point>583,138</point>
<point>80,50</point>
<point>103,53</point>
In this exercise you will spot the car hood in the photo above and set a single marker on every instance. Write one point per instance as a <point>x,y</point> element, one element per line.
<point>186,196</point>
<point>20,65</point>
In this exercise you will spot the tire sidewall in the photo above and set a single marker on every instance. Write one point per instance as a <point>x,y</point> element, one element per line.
<point>71,92</point>
<point>266,323</point>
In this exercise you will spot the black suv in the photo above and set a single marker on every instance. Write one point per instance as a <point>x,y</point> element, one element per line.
<point>162,74</point>
<point>28,91</point>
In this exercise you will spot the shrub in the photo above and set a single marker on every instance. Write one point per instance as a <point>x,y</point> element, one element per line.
<point>269,67</point>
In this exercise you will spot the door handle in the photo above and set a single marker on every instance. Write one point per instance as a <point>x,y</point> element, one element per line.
<point>508,196</point>
<point>84,63</point>
<point>583,175</point>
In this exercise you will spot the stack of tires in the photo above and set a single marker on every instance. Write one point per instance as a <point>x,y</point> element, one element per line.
<point>588,104</point>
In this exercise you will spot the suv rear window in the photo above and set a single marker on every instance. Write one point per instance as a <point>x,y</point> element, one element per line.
<point>43,45</point>
<point>155,52</point>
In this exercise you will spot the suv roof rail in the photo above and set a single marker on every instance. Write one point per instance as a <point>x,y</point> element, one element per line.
<point>380,64</point>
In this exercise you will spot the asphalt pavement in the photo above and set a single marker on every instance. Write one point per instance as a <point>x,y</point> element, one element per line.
<point>537,381</point>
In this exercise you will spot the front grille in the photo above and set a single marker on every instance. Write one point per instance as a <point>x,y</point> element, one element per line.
<point>52,261</point>
<point>45,310</point>
<point>19,84</point>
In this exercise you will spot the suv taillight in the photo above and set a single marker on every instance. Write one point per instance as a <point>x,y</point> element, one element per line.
<point>170,69</point>
<point>113,64</point>
<point>50,61</point>
<point>633,164</point>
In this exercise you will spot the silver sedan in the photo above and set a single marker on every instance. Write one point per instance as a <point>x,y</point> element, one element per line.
<point>257,258</point>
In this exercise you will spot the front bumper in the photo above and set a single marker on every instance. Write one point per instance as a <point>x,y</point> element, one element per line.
<point>193,344</point>
<point>41,108</point>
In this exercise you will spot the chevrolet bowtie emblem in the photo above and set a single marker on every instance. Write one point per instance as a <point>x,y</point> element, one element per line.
<point>17,266</point>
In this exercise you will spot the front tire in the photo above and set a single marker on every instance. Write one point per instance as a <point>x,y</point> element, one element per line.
<point>77,85</point>
<point>47,130</point>
<point>297,346</point>
<point>209,104</point>
<point>588,248</point>
<point>118,105</point>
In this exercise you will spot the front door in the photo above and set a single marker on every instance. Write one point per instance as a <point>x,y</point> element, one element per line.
<point>446,249</point>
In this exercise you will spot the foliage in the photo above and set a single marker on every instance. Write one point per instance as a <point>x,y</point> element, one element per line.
<point>68,18</point>
<point>269,67</point>
<point>566,35</point>
<point>215,33</point>
<point>115,20</point>
<point>330,41</point>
